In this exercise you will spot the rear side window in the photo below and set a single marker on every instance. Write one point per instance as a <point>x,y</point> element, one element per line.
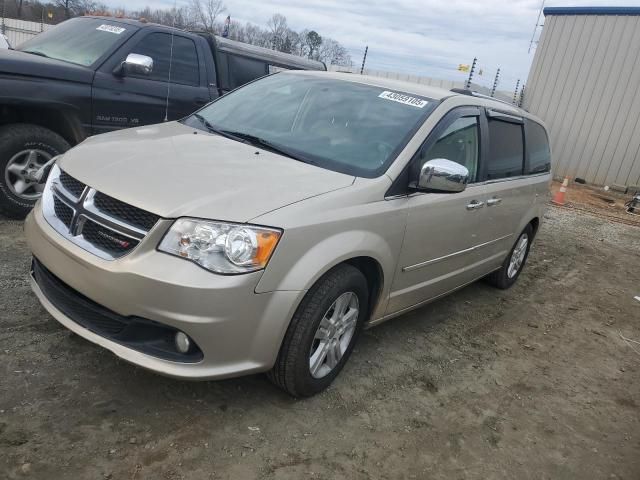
<point>538,148</point>
<point>184,64</point>
<point>506,149</point>
<point>243,70</point>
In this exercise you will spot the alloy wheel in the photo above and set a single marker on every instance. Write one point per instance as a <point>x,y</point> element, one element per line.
<point>334,334</point>
<point>20,173</point>
<point>517,257</point>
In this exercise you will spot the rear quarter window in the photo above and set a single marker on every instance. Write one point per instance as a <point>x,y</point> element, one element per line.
<point>538,148</point>
<point>243,70</point>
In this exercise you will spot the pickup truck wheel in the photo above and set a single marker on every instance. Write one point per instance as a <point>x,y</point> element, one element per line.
<point>23,150</point>
<point>514,263</point>
<point>322,333</point>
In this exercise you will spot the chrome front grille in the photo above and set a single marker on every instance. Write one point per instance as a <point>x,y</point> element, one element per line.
<point>92,220</point>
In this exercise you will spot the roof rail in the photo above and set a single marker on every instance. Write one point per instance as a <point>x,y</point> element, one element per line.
<point>465,91</point>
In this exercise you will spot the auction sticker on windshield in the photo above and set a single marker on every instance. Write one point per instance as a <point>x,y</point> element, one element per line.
<point>111,29</point>
<point>401,98</point>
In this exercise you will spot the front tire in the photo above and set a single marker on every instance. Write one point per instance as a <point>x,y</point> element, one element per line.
<point>322,333</point>
<point>514,263</point>
<point>24,149</point>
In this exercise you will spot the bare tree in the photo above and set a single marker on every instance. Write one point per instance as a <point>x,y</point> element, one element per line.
<point>278,29</point>
<point>67,5</point>
<point>313,41</point>
<point>206,12</point>
<point>333,53</point>
<point>19,7</point>
<point>84,7</point>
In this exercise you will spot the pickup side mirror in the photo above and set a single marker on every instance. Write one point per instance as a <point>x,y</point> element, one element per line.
<point>442,175</point>
<point>136,64</point>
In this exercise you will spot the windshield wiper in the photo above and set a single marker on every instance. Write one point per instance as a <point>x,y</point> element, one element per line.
<point>33,52</point>
<point>213,129</point>
<point>267,145</point>
<point>251,140</point>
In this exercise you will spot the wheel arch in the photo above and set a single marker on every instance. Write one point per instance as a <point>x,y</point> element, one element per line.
<point>370,252</point>
<point>373,273</point>
<point>58,119</point>
<point>535,224</point>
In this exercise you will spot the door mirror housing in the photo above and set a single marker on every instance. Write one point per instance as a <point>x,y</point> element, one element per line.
<point>136,64</point>
<point>442,175</point>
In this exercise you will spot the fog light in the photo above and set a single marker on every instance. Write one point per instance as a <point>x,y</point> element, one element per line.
<point>182,342</point>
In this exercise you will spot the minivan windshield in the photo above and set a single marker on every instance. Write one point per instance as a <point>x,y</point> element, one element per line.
<point>336,124</point>
<point>80,40</point>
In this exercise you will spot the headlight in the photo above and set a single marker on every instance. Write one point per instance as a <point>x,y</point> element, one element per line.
<point>219,246</point>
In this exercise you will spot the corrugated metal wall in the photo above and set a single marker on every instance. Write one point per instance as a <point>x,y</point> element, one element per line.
<point>584,83</point>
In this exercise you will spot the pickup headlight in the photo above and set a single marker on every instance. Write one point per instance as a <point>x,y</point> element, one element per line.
<point>221,247</point>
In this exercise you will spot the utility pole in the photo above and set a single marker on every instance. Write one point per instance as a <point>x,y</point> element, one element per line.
<point>521,101</point>
<point>495,83</point>
<point>515,92</point>
<point>2,27</point>
<point>473,67</point>
<point>364,59</point>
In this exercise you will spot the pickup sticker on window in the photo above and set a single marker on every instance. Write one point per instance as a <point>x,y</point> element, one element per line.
<point>111,29</point>
<point>401,98</point>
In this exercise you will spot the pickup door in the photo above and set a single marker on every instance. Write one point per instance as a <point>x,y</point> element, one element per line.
<point>128,101</point>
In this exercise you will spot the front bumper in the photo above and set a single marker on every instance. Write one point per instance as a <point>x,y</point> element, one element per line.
<point>237,330</point>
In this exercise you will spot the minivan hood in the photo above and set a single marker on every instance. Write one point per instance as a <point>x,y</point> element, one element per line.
<point>173,170</point>
<point>15,62</point>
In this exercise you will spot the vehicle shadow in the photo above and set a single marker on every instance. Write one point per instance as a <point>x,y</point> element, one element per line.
<point>385,340</point>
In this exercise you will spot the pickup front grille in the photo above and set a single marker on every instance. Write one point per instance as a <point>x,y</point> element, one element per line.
<point>100,224</point>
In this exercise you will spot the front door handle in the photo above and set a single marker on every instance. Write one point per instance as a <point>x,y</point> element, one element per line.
<point>494,201</point>
<point>474,205</point>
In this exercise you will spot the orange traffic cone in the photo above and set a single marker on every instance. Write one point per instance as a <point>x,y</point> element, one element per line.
<point>558,198</point>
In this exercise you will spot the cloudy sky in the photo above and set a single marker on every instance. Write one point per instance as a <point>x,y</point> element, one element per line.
<point>420,37</point>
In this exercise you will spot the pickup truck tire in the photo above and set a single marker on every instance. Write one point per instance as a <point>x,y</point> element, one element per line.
<point>322,332</point>
<point>514,263</point>
<point>23,149</point>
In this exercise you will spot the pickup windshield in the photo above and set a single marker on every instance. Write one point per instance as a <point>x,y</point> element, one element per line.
<point>81,40</point>
<point>336,124</point>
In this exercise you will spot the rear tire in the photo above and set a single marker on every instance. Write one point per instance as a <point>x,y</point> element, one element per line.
<point>507,275</point>
<point>301,369</point>
<point>23,149</point>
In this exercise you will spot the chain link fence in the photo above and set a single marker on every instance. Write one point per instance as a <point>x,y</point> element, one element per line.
<point>18,31</point>
<point>432,82</point>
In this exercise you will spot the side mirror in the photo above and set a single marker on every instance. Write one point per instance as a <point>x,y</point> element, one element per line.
<point>136,64</point>
<point>442,175</point>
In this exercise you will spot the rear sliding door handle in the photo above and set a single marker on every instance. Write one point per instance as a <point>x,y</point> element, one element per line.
<point>494,201</point>
<point>474,205</point>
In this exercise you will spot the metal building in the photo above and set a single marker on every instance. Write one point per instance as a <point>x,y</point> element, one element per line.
<point>585,84</point>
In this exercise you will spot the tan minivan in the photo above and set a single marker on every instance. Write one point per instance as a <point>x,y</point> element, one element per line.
<point>261,233</point>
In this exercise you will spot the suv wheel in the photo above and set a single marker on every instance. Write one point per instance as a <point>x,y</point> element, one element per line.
<point>23,150</point>
<point>322,332</point>
<point>514,263</point>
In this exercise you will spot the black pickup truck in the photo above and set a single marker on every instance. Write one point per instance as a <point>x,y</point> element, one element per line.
<point>91,75</point>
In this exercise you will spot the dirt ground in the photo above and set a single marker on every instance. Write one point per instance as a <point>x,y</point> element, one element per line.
<point>531,383</point>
